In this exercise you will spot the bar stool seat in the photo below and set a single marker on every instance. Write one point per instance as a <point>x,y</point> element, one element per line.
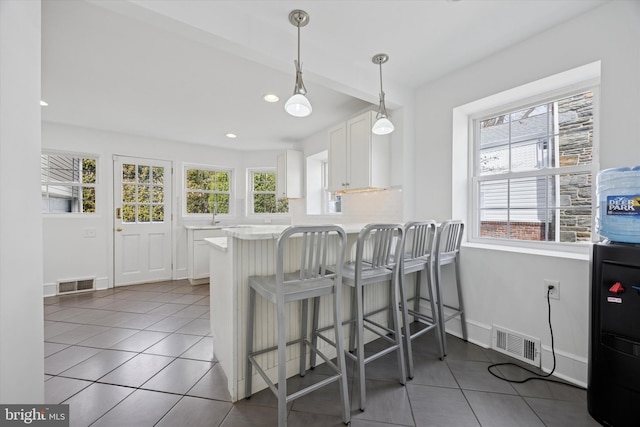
<point>313,245</point>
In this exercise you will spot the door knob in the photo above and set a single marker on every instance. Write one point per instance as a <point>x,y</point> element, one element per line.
<point>118,228</point>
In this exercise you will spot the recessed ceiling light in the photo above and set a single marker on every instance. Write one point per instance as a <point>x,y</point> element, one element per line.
<point>43,104</point>
<point>271,98</point>
<point>231,135</point>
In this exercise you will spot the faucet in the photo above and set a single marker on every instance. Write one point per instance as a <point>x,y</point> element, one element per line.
<point>214,211</point>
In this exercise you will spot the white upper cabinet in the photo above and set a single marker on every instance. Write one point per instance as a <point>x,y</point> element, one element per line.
<point>289,174</point>
<point>358,159</point>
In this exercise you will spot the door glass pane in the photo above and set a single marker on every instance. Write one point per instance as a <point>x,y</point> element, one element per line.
<point>143,174</point>
<point>129,193</point>
<point>158,175</point>
<point>144,213</point>
<point>128,213</point>
<point>158,194</point>
<point>158,213</point>
<point>143,194</point>
<point>128,173</point>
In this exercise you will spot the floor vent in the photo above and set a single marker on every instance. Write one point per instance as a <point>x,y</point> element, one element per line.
<point>80,285</point>
<point>517,345</point>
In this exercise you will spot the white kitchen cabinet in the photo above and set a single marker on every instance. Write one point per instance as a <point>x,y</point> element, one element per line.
<point>289,174</point>
<point>198,253</point>
<point>358,159</point>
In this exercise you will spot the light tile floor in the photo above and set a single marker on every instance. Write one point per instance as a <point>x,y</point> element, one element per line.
<point>142,356</point>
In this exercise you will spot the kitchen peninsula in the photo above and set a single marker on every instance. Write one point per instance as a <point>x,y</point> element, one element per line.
<point>251,251</point>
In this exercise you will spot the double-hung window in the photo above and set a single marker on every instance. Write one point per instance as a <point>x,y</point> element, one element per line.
<point>262,193</point>
<point>533,171</point>
<point>68,183</point>
<point>207,189</point>
<point>331,200</point>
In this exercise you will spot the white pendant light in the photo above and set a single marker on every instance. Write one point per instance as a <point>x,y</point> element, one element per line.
<point>383,125</point>
<point>298,105</point>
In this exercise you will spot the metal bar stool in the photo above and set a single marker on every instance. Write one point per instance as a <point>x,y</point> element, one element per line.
<point>313,245</point>
<point>376,251</point>
<point>419,244</point>
<point>447,251</point>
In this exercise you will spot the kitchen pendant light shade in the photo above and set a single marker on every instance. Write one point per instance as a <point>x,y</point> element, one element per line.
<point>383,125</point>
<point>298,105</point>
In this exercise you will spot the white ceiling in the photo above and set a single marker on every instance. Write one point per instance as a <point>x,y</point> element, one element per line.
<point>194,70</point>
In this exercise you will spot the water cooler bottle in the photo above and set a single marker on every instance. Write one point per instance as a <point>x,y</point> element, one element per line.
<point>613,394</point>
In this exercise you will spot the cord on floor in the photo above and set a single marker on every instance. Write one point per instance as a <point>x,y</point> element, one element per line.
<point>536,376</point>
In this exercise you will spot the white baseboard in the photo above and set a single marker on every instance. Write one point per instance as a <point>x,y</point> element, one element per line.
<point>102,283</point>
<point>180,274</point>
<point>49,289</point>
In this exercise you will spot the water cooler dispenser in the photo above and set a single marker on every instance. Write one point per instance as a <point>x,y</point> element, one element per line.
<point>614,357</point>
<point>614,348</point>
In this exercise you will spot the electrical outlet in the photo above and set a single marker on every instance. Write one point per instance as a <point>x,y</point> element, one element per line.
<point>89,232</point>
<point>555,292</point>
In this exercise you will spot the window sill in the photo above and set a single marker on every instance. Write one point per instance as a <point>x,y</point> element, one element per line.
<point>582,253</point>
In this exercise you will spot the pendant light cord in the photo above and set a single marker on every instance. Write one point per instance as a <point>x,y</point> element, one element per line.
<point>381,91</point>
<point>535,375</point>
<point>298,66</point>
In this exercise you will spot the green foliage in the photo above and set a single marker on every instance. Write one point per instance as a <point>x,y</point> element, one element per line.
<point>142,193</point>
<point>206,188</point>
<point>264,194</point>
<point>88,193</point>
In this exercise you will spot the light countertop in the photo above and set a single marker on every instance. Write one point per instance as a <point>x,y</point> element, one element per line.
<point>264,232</point>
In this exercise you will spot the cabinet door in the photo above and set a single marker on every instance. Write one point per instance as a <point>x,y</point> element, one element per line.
<point>359,155</point>
<point>338,158</point>
<point>200,260</point>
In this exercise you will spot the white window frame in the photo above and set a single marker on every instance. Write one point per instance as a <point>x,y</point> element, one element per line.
<point>317,178</point>
<point>185,190</point>
<point>251,193</point>
<point>45,182</point>
<point>586,77</point>
<point>326,193</point>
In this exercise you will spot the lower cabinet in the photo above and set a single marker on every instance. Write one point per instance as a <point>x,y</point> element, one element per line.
<point>198,253</point>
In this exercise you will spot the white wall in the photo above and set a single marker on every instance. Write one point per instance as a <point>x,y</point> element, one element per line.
<point>21,311</point>
<point>506,288</point>
<point>68,254</point>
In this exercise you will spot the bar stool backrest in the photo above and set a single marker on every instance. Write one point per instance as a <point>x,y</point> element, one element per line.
<point>448,241</point>
<point>378,245</point>
<point>318,246</point>
<point>419,239</point>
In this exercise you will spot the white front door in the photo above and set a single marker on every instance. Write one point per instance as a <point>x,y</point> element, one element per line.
<point>142,223</point>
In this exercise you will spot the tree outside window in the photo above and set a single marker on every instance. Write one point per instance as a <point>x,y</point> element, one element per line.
<point>206,189</point>
<point>263,194</point>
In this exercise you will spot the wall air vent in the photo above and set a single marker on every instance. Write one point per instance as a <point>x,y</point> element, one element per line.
<point>517,345</point>
<point>76,285</point>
